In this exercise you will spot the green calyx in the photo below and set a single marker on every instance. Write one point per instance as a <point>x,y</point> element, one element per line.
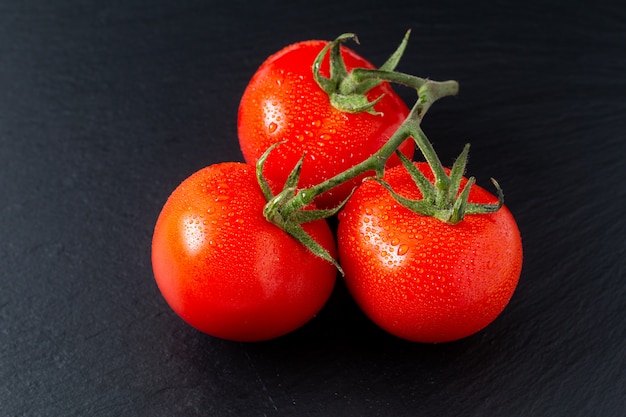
<point>443,199</point>
<point>346,90</point>
<point>287,209</point>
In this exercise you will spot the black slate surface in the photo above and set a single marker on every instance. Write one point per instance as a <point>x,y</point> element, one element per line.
<point>105,106</point>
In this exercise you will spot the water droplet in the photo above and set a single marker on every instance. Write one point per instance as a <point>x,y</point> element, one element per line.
<point>272,127</point>
<point>402,250</point>
<point>395,241</point>
<point>221,197</point>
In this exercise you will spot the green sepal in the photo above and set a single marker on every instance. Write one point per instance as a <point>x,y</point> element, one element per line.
<point>305,216</point>
<point>488,208</point>
<point>355,103</point>
<point>330,85</point>
<point>456,173</point>
<point>389,66</point>
<point>265,188</point>
<point>297,232</point>
<point>338,70</point>
<point>294,175</point>
<point>460,204</point>
<point>426,187</point>
<point>417,206</point>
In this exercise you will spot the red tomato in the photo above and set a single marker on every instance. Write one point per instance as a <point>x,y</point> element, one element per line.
<point>283,103</point>
<point>227,271</point>
<point>422,279</point>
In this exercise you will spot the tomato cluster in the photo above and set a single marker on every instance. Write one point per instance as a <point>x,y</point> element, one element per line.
<point>241,251</point>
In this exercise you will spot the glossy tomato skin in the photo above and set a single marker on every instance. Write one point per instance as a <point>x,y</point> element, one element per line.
<point>227,271</point>
<point>283,103</point>
<point>419,278</point>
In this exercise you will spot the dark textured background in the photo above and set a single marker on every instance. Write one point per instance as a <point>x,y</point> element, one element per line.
<point>105,106</point>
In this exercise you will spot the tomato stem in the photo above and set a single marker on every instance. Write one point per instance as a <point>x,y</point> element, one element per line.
<point>443,199</point>
<point>409,128</point>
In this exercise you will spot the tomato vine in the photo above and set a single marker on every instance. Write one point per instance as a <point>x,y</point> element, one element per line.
<point>428,255</point>
<point>443,199</point>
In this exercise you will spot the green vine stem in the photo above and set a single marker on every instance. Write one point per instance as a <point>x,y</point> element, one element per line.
<point>290,208</point>
<point>377,161</point>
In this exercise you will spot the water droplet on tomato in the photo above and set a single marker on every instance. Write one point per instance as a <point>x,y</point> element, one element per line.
<point>272,127</point>
<point>402,250</point>
<point>221,197</point>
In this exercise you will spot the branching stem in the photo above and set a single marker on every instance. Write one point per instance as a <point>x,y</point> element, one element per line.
<point>444,200</point>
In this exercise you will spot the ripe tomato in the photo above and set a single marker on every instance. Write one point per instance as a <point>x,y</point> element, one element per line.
<point>422,279</point>
<point>283,103</point>
<point>227,271</point>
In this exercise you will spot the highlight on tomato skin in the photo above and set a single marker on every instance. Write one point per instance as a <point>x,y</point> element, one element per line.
<point>422,279</point>
<point>283,103</point>
<point>228,272</point>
